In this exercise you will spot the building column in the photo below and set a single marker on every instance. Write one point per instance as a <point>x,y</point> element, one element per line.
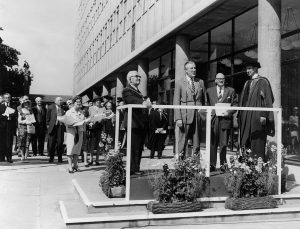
<point>143,69</point>
<point>181,57</point>
<point>182,50</point>
<point>120,85</point>
<point>105,90</point>
<point>269,52</point>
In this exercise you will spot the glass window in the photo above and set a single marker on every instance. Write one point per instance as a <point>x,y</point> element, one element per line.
<point>246,36</point>
<point>221,40</point>
<point>165,65</point>
<point>199,49</point>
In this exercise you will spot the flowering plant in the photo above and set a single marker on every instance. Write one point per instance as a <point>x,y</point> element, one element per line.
<point>184,183</point>
<point>250,177</point>
<point>106,142</point>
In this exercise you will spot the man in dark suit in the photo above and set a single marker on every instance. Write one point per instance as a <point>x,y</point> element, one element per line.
<point>132,95</point>
<point>56,130</point>
<point>256,125</point>
<point>188,91</point>
<point>7,128</point>
<point>220,124</point>
<point>38,139</point>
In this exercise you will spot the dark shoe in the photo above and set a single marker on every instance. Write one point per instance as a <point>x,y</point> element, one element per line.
<point>86,165</point>
<point>10,161</point>
<point>71,171</point>
<point>97,163</point>
<point>34,155</point>
<point>212,168</point>
<point>42,154</point>
<point>51,161</point>
<point>60,161</point>
<point>90,163</point>
<point>76,169</point>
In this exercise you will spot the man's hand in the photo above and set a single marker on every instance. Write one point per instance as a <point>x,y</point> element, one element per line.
<point>147,103</point>
<point>263,121</point>
<point>179,123</point>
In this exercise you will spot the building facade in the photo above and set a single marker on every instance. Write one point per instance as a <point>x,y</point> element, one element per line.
<point>156,37</point>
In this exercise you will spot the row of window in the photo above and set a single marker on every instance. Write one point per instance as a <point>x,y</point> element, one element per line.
<point>116,26</point>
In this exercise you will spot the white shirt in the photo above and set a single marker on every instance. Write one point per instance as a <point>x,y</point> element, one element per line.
<point>134,87</point>
<point>255,76</point>
<point>189,80</point>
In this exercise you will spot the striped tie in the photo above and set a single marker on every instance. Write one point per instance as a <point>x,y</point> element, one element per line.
<point>220,95</point>
<point>193,86</point>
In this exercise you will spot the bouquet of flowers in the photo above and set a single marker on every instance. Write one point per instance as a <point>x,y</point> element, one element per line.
<point>250,177</point>
<point>106,142</point>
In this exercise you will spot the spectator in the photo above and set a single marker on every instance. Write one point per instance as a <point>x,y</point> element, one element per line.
<point>7,128</point>
<point>294,129</point>
<point>158,125</point>
<point>74,135</point>
<point>26,128</point>
<point>38,139</point>
<point>56,130</point>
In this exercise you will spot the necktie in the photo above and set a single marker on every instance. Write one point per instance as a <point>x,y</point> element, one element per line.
<point>193,86</point>
<point>220,95</point>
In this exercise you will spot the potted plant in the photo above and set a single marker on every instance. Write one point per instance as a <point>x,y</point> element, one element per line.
<point>177,190</point>
<point>250,182</point>
<point>113,179</point>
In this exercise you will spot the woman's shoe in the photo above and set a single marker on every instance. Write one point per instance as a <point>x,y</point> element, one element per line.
<point>97,163</point>
<point>90,163</point>
<point>86,165</point>
<point>76,169</point>
<point>71,171</point>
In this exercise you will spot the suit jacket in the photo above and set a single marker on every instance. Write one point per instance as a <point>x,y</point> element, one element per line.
<point>51,117</point>
<point>139,116</point>
<point>35,111</point>
<point>10,122</point>
<point>229,96</point>
<point>183,96</point>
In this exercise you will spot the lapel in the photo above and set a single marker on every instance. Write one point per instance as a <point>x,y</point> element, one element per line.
<point>135,91</point>
<point>188,86</point>
<point>215,95</point>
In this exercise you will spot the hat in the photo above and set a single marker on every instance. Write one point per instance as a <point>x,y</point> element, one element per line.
<point>252,64</point>
<point>108,97</point>
<point>97,98</point>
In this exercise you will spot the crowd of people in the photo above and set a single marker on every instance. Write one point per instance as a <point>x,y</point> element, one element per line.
<point>88,130</point>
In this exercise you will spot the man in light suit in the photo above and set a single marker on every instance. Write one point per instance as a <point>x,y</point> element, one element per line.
<point>188,91</point>
<point>220,125</point>
<point>56,130</point>
<point>38,139</point>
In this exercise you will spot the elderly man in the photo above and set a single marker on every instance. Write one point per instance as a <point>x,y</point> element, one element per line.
<point>8,120</point>
<point>256,125</point>
<point>56,130</point>
<point>38,139</point>
<point>132,95</point>
<point>221,123</point>
<point>188,91</point>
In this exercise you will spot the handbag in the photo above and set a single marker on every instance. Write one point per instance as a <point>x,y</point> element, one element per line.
<point>31,129</point>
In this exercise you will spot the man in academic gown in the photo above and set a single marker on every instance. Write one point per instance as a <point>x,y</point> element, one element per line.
<point>256,125</point>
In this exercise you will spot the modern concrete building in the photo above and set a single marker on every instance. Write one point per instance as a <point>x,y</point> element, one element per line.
<point>156,37</point>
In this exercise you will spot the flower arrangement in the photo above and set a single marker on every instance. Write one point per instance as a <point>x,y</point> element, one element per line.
<point>183,184</point>
<point>249,182</point>
<point>114,175</point>
<point>105,143</point>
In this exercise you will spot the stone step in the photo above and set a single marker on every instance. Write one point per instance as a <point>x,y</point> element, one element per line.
<point>75,215</point>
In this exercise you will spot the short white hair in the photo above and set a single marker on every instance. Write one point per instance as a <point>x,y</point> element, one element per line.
<point>131,74</point>
<point>38,98</point>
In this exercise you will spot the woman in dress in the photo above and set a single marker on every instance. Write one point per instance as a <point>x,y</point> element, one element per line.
<point>25,128</point>
<point>74,134</point>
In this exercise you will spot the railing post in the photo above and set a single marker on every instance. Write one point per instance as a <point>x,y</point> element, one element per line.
<point>279,139</point>
<point>128,156</point>
<point>208,138</point>
<point>117,129</point>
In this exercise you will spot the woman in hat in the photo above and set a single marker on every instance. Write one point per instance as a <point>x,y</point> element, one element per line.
<point>25,128</point>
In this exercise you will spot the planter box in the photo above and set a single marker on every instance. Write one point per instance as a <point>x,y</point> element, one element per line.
<point>117,192</point>
<point>250,203</point>
<point>178,207</point>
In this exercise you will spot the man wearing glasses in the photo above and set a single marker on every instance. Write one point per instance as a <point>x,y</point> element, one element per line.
<point>221,121</point>
<point>132,95</point>
<point>8,115</point>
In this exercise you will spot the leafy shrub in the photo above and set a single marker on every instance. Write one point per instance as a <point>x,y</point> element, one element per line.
<point>185,183</point>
